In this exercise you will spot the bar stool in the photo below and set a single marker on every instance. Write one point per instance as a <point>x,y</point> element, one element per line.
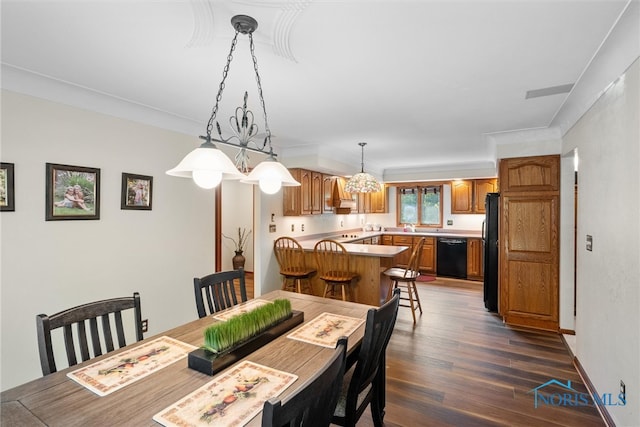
<point>290,257</point>
<point>405,279</point>
<point>333,267</point>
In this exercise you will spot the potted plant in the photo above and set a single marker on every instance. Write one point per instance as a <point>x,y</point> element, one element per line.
<point>240,243</point>
<point>229,341</point>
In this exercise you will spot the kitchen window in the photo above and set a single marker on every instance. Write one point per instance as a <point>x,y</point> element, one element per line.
<point>420,205</point>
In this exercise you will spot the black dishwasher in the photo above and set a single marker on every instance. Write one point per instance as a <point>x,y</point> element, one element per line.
<point>452,257</point>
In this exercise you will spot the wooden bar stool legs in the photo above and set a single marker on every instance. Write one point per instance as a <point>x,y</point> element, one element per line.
<point>331,286</point>
<point>412,297</point>
<point>405,279</point>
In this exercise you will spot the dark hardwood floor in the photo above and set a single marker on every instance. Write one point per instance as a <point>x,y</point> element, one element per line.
<point>461,366</point>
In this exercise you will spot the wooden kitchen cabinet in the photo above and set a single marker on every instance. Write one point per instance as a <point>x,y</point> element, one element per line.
<point>529,244</point>
<point>403,258</point>
<point>480,189</point>
<point>475,265</point>
<point>327,193</point>
<point>467,196</point>
<point>428,257</point>
<point>372,202</point>
<point>462,197</point>
<point>307,199</point>
<point>386,239</point>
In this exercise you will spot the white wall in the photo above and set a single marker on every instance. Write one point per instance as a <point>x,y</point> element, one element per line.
<point>51,265</point>
<point>608,278</point>
<point>237,211</point>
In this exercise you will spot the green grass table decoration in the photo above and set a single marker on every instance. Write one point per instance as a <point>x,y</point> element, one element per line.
<point>229,341</point>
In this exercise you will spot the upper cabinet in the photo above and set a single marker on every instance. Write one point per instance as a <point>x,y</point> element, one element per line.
<point>321,193</point>
<point>306,199</point>
<point>467,196</point>
<point>480,189</point>
<point>462,197</point>
<point>372,202</point>
<point>526,174</point>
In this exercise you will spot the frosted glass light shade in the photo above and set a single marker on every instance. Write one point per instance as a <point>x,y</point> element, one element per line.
<point>204,164</point>
<point>362,183</point>
<point>270,175</point>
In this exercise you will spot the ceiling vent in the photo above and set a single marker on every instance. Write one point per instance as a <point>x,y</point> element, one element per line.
<point>548,91</point>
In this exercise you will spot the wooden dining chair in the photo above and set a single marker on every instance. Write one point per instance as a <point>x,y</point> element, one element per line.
<point>314,401</point>
<point>364,383</point>
<point>219,290</point>
<point>110,313</point>
<point>333,267</point>
<point>290,256</point>
<point>405,279</point>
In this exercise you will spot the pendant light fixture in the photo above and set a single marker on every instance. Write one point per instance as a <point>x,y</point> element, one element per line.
<point>362,182</point>
<point>207,165</point>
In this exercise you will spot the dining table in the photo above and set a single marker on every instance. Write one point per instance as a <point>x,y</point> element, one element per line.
<point>58,400</point>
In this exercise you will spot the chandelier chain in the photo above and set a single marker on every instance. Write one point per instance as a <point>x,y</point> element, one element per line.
<point>225,72</point>
<point>267,139</point>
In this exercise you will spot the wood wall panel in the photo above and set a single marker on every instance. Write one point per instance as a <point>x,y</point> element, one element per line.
<point>525,299</point>
<point>528,174</point>
<point>529,242</point>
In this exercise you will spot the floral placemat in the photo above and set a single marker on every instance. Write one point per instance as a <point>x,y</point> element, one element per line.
<point>325,329</point>
<point>239,309</point>
<point>113,373</point>
<point>230,399</point>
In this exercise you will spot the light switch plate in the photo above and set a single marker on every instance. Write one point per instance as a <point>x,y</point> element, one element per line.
<point>589,243</point>
<point>272,228</point>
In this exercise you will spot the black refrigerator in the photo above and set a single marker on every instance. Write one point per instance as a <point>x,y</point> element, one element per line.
<point>490,247</point>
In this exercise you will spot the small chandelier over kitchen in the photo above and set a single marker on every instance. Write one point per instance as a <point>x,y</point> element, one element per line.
<point>207,165</point>
<point>362,182</point>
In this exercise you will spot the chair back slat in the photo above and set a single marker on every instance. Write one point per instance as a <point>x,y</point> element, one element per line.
<point>119,328</point>
<point>78,316</point>
<point>95,336</point>
<point>314,401</point>
<point>69,345</point>
<point>218,290</point>
<point>108,337</point>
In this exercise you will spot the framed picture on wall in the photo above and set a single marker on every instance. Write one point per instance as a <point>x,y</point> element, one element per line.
<point>137,192</point>
<point>7,192</point>
<point>72,192</point>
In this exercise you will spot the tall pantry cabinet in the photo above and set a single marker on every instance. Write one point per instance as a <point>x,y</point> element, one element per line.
<point>529,241</point>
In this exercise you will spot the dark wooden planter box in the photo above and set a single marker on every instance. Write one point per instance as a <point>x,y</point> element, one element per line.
<point>210,363</point>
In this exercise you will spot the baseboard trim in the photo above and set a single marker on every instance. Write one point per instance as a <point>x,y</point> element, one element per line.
<point>602,409</point>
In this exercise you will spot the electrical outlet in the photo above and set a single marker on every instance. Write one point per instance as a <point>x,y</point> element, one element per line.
<point>623,391</point>
<point>341,223</point>
<point>145,325</point>
<point>589,243</point>
<point>293,228</point>
<point>302,227</point>
<point>272,228</point>
<point>449,222</point>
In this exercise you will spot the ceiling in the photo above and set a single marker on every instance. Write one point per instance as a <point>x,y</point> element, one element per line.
<point>424,83</point>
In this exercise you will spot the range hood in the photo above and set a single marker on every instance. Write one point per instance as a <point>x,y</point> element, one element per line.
<point>343,202</point>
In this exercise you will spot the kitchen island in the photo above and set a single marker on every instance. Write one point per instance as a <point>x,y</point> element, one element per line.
<point>369,261</point>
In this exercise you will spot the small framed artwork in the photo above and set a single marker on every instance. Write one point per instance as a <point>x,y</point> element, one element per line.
<point>137,191</point>
<point>72,192</point>
<point>7,195</point>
